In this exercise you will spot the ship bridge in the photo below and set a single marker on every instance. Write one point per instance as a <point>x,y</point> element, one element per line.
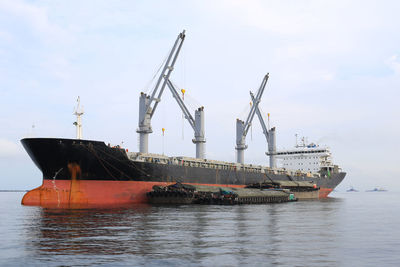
<point>307,158</point>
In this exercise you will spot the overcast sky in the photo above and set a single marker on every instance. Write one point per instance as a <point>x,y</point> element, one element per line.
<point>334,77</point>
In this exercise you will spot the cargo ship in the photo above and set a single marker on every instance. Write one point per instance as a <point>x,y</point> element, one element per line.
<point>91,172</point>
<point>88,172</point>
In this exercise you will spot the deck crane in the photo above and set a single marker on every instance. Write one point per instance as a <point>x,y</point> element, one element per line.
<point>146,111</point>
<point>269,135</point>
<point>243,127</point>
<point>148,104</point>
<point>197,123</point>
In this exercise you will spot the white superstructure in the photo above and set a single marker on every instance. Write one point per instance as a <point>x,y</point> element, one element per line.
<point>306,158</point>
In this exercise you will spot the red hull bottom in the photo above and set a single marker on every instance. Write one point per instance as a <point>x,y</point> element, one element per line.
<point>84,193</point>
<point>324,192</point>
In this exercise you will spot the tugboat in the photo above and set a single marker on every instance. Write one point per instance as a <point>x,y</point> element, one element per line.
<point>377,190</point>
<point>351,189</point>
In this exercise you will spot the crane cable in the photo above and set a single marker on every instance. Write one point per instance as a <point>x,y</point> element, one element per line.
<point>183,117</point>
<point>189,100</point>
<point>163,141</point>
<point>147,87</point>
<point>251,125</point>
<point>183,90</point>
<point>264,116</point>
<point>245,111</point>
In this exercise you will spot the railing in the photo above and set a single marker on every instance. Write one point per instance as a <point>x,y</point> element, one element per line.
<point>219,165</point>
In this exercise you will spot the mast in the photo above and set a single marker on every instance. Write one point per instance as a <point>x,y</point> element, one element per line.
<point>78,123</point>
<point>243,127</point>
<point>146,110</point>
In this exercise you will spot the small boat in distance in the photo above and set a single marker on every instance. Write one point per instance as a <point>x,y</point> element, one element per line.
<point>377,190</point>
<point>351,189</point>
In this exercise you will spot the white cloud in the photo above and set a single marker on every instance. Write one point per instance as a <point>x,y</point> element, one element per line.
<point>9,149</point>
<point>57,65</point>
<point>37,18</point>
<point>300,18</point>
<point>6,36</point>
<point>394,63</point>
<point>322,57</point>
<point>278,17</point>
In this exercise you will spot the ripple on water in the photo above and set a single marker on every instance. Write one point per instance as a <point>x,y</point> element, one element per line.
<point>347,230</point>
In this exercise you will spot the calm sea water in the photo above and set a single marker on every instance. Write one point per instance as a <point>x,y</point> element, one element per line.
<point>348,229</point>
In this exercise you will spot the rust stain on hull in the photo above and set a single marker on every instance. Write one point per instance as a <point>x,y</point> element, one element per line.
<point>76,194</point>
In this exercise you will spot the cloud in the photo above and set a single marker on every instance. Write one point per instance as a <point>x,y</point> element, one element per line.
<point>394,63</point>
<point>58,65</point>
<point>326,60</point>
<point>5,36</point>
<point>299,18</point>
<point>35,17</point>
<point>9,149</point>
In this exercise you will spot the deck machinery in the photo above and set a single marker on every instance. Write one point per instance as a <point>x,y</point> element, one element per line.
<point>148,104</point>
<point>242,128</point>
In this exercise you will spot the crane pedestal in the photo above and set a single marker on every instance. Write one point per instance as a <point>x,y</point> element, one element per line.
<point>272,147</point>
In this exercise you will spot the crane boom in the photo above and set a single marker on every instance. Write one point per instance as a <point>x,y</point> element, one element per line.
<point>182,105</point>
<point>197,124</point>
<point>242,128</point>
<point>174,55</point>
<point>146,110</point>
<point>269,135</point>
<point>254,107</point>
<point>260,118</point>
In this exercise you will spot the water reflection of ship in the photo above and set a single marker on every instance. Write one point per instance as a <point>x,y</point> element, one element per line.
<point>155,235</point>
<point>99,232</point>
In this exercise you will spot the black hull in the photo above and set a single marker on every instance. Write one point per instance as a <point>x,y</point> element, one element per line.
<point>97,161</point>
